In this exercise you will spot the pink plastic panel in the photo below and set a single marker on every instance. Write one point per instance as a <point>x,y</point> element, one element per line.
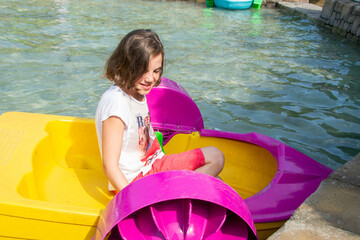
<point>176,205</point>
<point>172,108</point>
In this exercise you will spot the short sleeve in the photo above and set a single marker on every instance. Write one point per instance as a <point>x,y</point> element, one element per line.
<point>113,103</point>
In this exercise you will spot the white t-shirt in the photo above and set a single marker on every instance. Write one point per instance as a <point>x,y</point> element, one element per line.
<point>137,154</point>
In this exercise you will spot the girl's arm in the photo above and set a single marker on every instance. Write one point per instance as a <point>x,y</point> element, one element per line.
<point>112,135</point>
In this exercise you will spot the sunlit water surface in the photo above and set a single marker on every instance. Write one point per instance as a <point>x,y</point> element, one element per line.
<point>251,70</point>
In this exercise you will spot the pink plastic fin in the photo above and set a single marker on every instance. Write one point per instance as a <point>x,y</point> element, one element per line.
<point>171,217</point>
<point>139,225</point>
<point>234,228</point>
<point>216,219</point>
<point>205,219</point>
<point>198,221</point>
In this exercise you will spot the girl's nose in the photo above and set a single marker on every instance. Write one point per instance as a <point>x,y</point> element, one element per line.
<point>149,77</point>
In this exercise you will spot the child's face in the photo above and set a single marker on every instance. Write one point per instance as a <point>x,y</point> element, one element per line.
<point>145,83</point>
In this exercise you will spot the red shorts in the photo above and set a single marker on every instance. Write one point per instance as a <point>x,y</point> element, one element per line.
<point>189,160</point>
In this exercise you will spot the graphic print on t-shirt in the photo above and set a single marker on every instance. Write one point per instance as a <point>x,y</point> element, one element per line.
<point>143,131</point>
<point>149,149</point>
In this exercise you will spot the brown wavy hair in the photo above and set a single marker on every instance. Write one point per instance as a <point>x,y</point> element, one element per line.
<point>130,60</point>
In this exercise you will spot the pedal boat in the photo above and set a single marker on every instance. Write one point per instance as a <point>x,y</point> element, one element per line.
<point>234,4</point>
<point>52,185</point>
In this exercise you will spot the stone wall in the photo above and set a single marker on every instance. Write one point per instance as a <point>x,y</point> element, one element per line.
<point>342,17</point>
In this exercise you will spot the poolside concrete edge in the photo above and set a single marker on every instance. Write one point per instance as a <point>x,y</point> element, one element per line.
<point>332,212</point>
<point>307,10</point>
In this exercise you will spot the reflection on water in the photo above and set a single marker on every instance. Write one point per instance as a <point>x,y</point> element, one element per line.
<point>251,70</point>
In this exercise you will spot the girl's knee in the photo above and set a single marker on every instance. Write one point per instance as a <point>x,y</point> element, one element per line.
<point>214,155</point>
<point>220,158</point>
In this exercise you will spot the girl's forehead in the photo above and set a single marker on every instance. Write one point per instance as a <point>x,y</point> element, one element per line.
<point>156,61</point>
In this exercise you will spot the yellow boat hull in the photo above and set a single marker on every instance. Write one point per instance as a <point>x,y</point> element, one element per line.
<point>53,186</point>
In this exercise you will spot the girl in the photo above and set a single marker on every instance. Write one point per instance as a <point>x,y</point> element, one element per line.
<point>128,145</point>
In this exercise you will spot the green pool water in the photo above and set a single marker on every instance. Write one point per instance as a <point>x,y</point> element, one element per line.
<point>249,70</point>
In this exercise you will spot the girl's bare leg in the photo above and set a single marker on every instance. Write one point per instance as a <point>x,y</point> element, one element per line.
<point>214,161</point>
